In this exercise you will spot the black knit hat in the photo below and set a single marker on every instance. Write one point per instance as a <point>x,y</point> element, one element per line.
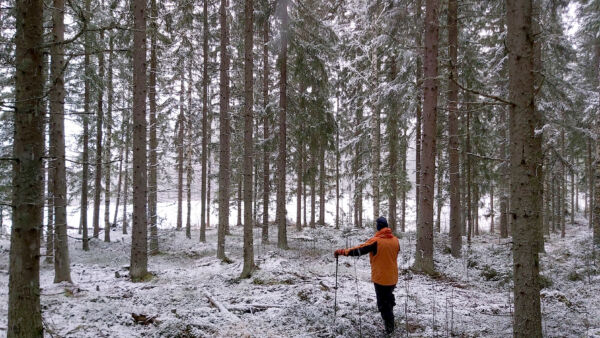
<point>381,223</point>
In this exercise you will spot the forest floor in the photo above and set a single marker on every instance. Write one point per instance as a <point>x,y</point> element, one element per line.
<point>292,293</point>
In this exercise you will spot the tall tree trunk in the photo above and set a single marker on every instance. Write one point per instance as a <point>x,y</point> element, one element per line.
<point>180,147</point>
<point>403,155</point>
<point>554,204</point>
<point>281,160</point>
<point>523,169</point>
<point>188,152</point>
<point>469,179</point>
<point>119,183</point>
<point>337,158</point>
<point>304,184</point>
<point>492,213</point>
<point>476,198</point>
<point>239,199</point>
<point>62,269</point>
<point>591,174</point>
<point>99,122</point>
<point>126,174</point>
<point>376,148</point>
<point>438,195</point>
<point>313,190</point>
<point>24,312</point>
<point>392,131</point>
<point>153,156</point>
<point>538,157</point>
<point>139,233</point>
<point>204,196</point>
<point>418,126</point>
<point>424,245</point>
<point>208,187</point>
<point>504,191</point>
<point>224,134</point>
<point>322,179</point>
<point>453,155</point>
<point>596,192</point>
<point>107,153</point>
<point>299,187</point>
<point>563,181</point>
<point>248,137</point>
<point>85,153</point>
<point>266,135</point>
<point>49,199</point>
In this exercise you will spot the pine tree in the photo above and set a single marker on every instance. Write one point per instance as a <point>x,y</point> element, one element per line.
<point>453,168</point>
<point>248,137</point>
<point>281,159</point>
<point>24,310</point>
<point>424,246</point>
<point>523,169</point>
<point>62,270</point>
<point>224,134</point>
<point>139,233</point>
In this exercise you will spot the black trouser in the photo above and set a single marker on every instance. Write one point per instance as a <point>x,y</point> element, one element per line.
<point>385,304</point>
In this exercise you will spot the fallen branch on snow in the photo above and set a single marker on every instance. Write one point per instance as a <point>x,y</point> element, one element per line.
<point>144,319</point>
<point>221,307</point>
<point>245,308</point>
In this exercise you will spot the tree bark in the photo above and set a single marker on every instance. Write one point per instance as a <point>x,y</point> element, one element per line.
<point>239,200</point>
<point>591,174</point>
<point>188,153</point>
<point>85,154</point>
<point>49,199</point>
<point>523,169</point>
<point>204,195</point>
<point>322,180</point>
<point>180,147</point>
<point>266,135</point>
<point>419,85</point>
<point>62,269</point>
<point>469,179</point>
<point>299,187</point>
<point>504,191</point>
<point>403,155</point>
<point>596,191</point>
<point>281,160</point>
<point>119,184</point>
<point>153,157</point>
<point>313,190</point>
<point>392,131</point>
<point>453,155</point>
<point>563,182</point>
<point>107,148</point>
<point>24,312</point>
<point>376,149</point>
<point>126,173</point>
<point>139,233</point>
<point>99,122</point>
<point>492,213</point>
<point>424,245</point>
<point>337,158</point>
<point>248,137</point>
<point>439,201</point>
<point>224,134</point>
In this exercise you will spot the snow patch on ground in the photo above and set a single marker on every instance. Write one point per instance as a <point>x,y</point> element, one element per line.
<point>292,293</point>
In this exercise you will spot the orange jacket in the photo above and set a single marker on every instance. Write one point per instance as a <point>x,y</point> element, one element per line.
<point>383,249</point>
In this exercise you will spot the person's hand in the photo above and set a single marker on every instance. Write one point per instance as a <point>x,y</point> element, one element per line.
<point>339,252</point>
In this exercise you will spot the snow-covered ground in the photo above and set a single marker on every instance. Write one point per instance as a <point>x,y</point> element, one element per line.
<point>292,294</point>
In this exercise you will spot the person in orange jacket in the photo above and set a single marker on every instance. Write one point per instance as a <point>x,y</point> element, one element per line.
<point>383,250</point>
